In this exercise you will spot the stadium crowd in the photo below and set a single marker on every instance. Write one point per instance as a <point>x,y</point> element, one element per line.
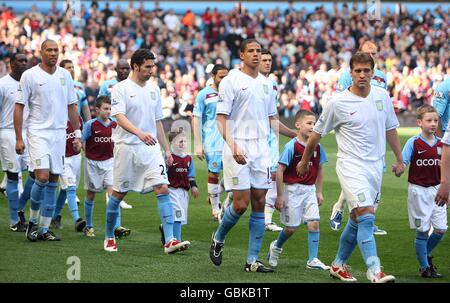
<point>310,50</point>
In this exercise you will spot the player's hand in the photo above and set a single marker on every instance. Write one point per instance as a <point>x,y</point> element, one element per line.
<point>279,203</point>
<point>194,191</point>
<point>20,147</point>
<point>76,145</point>
<point>441,198</point>
<point>319,196</point>
<point>398,168</point>
<point>199,153</point>
<point>169,158</point>
<point>238,155</point>
<point>302,168</point>
<point>147,138</point>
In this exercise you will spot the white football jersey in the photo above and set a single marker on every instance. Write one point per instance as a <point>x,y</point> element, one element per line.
<point>141,105</point>
<point>248,102</point>
<point>47,96</point>
<point>8,95</point>
<point>360,123</point>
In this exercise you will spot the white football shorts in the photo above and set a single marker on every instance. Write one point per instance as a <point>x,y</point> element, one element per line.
<point>255,173</point>
<point>138,167</point>
<point>72,170</point>
<point>98,175</point>
<point>423,212</point>
<point>179,197</point>
<point>10,160</point>
<point>360,181</point>
<point>47,149</point>
<point>300,205</point>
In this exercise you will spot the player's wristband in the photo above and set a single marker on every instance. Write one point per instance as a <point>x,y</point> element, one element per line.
<point>193,183</point>
<point>77,133</point>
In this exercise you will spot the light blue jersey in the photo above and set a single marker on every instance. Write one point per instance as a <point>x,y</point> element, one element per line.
<point>273,139</point>
<point>205,109</point>
<point>106,87</point>
<point>441,101</point>
<point>345,81</point>
<point>81,97</point>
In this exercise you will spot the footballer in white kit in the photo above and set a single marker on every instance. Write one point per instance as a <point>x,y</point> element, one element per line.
<point>138,163</point>
<point>364,119</point>
<point>49,92</point>
<point>244,111</point>
<point>12,163</point>
<point>248,106</point>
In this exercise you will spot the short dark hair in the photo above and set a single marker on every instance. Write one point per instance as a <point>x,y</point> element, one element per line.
<point>13,56</point>
<point>64,62</point>
<point>265,51</point>
<point>246,42</point>
<point>217,68</point>
<point>302,113</point>
<point>360,57</point>
<point>141,55</point>
<point>174,134</point>
<point>102,99</point>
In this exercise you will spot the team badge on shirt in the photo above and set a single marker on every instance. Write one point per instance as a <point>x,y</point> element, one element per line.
<point>220,98</point>
<point>439,151</point>
<point>63,81</point>
<point>379,104</point>
<point>235,180</point>
<point>439,95</point>
<point>361,197</point>
<point>153,95</point>
<point>266,89</point>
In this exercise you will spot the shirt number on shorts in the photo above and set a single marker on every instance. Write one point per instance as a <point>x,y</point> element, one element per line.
<point>163,173</point>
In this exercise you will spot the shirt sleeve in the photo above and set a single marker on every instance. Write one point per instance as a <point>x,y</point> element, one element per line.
<point>87,130</point>
<point>272,106</point>
<point>344,82</point>
<point>287,154</point>
<point>118,105</point>
<point>226,97</point>
<point>199,106</point>
<point>159,114</point>
<point>24,91</point>
<point>408,151</point>
<point>191,170</point>
<point>71,95</point>
<point>391,117</point>
<point>440,102</point>
<point>323,155</point>
<point>328,120</point>
<point>103,90</point>
<point>385,81</point>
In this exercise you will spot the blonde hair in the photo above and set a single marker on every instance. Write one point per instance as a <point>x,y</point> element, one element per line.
<point>421,111</point>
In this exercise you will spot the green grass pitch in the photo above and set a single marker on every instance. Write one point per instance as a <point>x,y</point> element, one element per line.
<point>141,258</point>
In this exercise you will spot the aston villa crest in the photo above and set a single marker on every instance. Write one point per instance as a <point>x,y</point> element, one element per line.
<point>439,151</point>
